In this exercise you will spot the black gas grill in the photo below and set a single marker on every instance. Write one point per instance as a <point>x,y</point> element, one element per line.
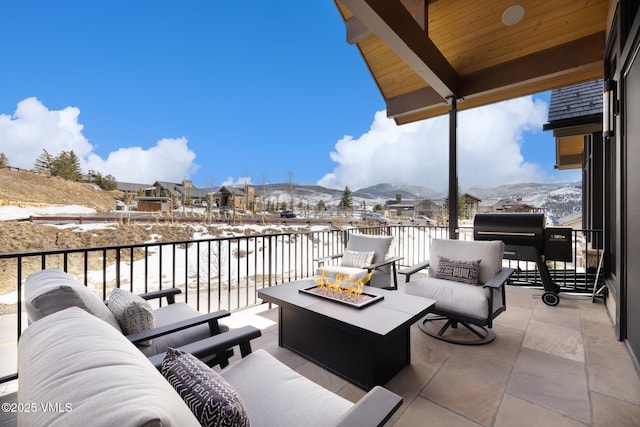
<point>526,238</point>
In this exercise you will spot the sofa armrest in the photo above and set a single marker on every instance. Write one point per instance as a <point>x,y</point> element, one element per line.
<point>211,318</point>
<point>217,344</point>
<point>413,269</point>
<point>374,409</point>
<point>500,279</point>
<point>169,293</point>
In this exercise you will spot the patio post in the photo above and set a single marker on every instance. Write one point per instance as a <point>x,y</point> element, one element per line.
<point>453,168</point>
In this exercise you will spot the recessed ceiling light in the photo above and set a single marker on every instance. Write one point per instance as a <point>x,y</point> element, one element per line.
<point>513,15</point>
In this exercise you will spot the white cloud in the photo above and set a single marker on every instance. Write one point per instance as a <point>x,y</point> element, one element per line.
<point>243,180</point>
<point>489,141</point>
<point>33,128</point>
<point>169,160</point>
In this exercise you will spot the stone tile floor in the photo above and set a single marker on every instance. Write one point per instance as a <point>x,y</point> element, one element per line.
<point>551,366</point>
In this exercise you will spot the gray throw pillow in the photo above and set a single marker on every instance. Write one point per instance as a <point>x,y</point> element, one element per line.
<point>463,271</point>
<point>133,313</point>
<point>210,397</point>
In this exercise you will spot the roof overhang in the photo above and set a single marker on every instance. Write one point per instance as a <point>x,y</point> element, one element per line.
<point>422,52</point>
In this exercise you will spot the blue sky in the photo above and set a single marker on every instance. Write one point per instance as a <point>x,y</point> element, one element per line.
<point>224,92</point>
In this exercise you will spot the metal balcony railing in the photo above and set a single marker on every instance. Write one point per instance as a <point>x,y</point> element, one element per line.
<point>226,273</point>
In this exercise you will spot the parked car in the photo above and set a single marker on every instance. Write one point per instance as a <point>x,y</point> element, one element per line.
<point>423,218</point>
<point>375,217</point>
<point>287,214</point>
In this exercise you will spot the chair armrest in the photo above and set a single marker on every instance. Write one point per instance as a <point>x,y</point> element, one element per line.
<point>413,269</point>
<point>500,279</point>
<point>179,326</point>
<point>327,258</point>
<point>374,409</point>
<point>217,344</point>
<point>169,293</point>
<point>380,264</point>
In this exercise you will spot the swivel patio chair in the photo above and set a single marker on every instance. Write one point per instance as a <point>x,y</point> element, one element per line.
<point>467,280</point>
<point>172,325</point>
<point>364,254</point>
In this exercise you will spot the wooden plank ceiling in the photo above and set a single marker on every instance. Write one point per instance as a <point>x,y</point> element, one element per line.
<point>420,54</point>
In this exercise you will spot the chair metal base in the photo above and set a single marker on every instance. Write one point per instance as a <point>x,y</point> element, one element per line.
<point>479,334</point>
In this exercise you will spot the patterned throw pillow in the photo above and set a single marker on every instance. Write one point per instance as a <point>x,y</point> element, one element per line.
<point>133,313</point>
<point>209,396</point>
<point>356,259</point>
<point>458,270</point>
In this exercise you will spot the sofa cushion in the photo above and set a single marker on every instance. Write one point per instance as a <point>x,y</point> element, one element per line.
<point>133,313</point>
<point>463,271</point>
<point>490,252</point>
<point>356,259</point>
<point>209,396</point>
<point>51,290</point>
<point>76,359</point>
<point>273,391</point>
<point>455,297</point>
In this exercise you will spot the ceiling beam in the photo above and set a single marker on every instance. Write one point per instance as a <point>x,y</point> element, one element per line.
<point>392,23</point>
<point>412,102</point>
<point>356,30</point>
<point>564,59</point>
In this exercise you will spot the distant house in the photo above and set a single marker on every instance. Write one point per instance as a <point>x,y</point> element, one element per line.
<point>414,208</point>
<point>133,188</point>
<point>235,197</point>
<point>508,206</point>
<point>154,204</point>
<point>471,204</point>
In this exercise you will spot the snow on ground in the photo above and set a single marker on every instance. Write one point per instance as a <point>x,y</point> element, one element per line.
<point>201,232</point>
<point>16,213</point>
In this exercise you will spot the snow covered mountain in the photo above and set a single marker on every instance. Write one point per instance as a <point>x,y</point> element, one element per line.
<point>558,199</point>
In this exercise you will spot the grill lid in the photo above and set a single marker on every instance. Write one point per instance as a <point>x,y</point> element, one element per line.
<point>518,229</point>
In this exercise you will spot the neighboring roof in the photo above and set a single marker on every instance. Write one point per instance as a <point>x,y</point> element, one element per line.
<point>421,53</point>
<point>574,111</point>
<point>471,196</point>
<point>231,190</point>
<point>583,100</point>
<point>131,187</point>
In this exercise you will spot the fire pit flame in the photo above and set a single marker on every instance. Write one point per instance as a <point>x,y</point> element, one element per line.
<point>343,283</point>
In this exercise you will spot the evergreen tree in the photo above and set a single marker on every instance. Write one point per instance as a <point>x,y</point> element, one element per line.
<point>3,160</point>
<point>347,199</point>
<point>67,166</point>
<point>43,162</point>
<point>321,206</point>
<point>106,182</point>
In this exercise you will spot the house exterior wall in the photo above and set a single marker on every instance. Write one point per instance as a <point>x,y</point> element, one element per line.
<point>622,193</point>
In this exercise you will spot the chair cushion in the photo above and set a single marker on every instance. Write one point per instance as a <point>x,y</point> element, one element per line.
<point>172,313</point>
<point>463,271</point>
<point>490,252</point>
<point>273,391</point>
<point>51,290</point>
<point>209,396</point>
<point>356,259</point>
<point>455,297</point>
<point>133,313</point>
<point>363,243</point>
<point>331,270</point>
<point>78,360</point>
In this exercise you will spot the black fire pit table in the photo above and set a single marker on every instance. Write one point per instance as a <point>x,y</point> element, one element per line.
<point>365,345</point>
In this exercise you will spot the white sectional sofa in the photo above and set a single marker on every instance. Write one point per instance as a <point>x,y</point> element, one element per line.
<point>88,370</point>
